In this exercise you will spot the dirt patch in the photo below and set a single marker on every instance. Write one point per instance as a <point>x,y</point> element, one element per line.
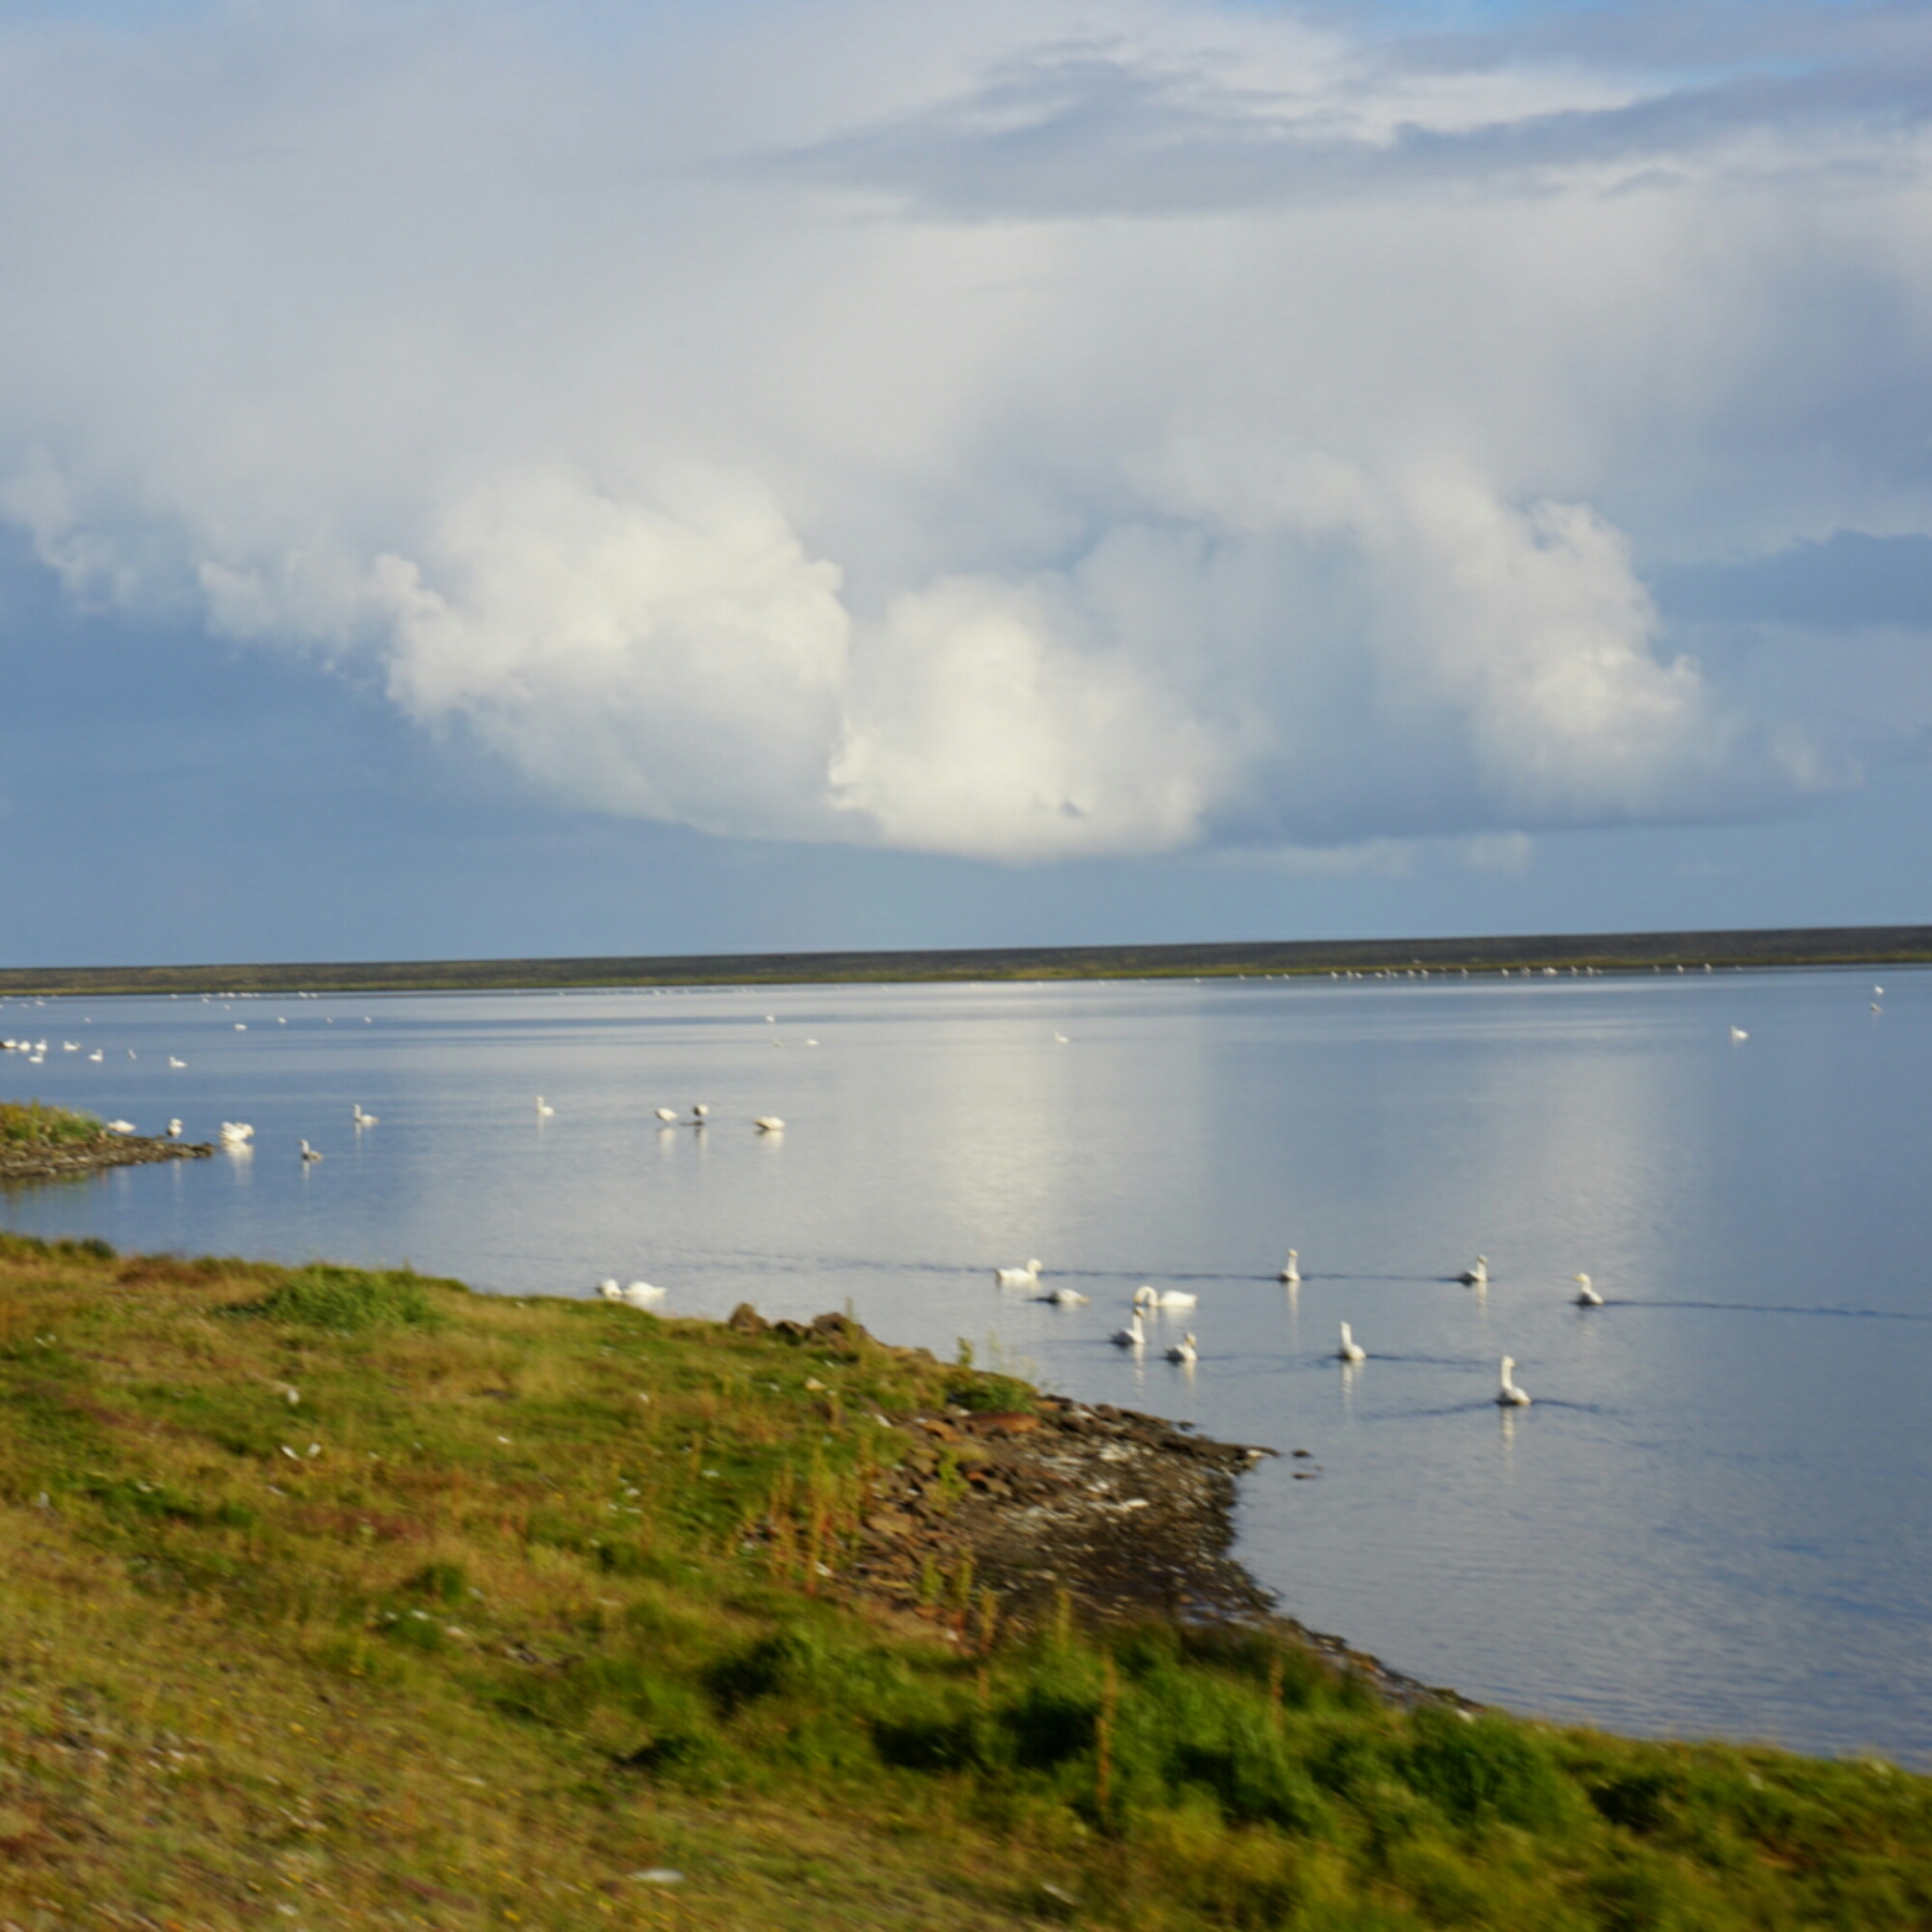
<point>1114,1515</point>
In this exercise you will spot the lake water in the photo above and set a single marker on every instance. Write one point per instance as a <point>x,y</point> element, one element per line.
<point>1716,1517</point>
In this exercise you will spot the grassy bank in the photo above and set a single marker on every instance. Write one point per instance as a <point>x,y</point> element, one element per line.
<point>336,1599</point>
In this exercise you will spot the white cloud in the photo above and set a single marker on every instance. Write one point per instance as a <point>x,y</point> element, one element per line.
<point>951,430</point>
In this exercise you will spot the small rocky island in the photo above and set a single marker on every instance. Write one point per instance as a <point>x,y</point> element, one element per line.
<point>40,1143</point>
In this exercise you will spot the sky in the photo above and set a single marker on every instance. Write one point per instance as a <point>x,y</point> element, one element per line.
<point>516,479</point>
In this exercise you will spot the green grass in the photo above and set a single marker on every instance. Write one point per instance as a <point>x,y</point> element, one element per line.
<point>27,1124</point>
<point>363,1597</point>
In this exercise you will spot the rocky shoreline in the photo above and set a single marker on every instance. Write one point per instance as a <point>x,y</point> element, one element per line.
<point>55,1160</point>
<point>1114,1515</point>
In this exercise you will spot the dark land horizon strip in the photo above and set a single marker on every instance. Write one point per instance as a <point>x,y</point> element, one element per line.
<point>1607,953</point>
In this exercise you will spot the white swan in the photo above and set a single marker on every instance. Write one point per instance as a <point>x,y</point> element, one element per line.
<point>544,1108</point>
<point>668,1115</point>
<point>1737,1032</point>
<point>1145,1296</point>
<point>362,1119</point>
<point>1350,1351</point>
<point>642,1295</point>
<point>1290,1268</point>
<point>769,1124</point>
<point>1064,1297</point>
<point>237,1133</point>
<point>174,1130</point>
<point>1477,1276</point>
<point>176,1064</point>
<point>1021,1277</point>
<point>308,1152</point>
<point>120,1126</point>
<point>699,1112</point>
<point>1184,1350</point>
<point>1586,1295</point>
<point>608,1288</point>
<point>97,1055</point>
<point>1508,1395</point>
<point>1132,1336</point>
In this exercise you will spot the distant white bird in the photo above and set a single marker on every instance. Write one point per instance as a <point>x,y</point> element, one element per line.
<point>69,1046</point>
<point>174,1130</point>
<point>173,1061</point>
<point>96,1053</point>
<point>1290,1268</point>
<point>120,1126</point>
<point>1132,1336</point>
<point>1878,992</point>
<point>1060,1039</point>
<point>237,1133</point>
<point>544,1108</point>
<point>1019,1277</point>
<point>1737,1032</point>
<point>643,1295</point>
<point>669,1115</point>
<point>1477,1276</point>
<point>1183,1350</point>
<point>699,1112</point>
<point>1586,1295</point>
<point>608,1289</point>
<point>1064,1296</point>
<point>308,1152</point>
<point>132,1055</point>
<point>241,1025</point>
<point>1875,1007</point>
<point>769,1124</point>
<point>1350,1351</point>
<point>812,1043</point>
<point>362,1119</point>
<point>1508,1395</point>
<point>1145,1296</point>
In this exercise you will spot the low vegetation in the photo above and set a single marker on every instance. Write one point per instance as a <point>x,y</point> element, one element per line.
<point>27,1124</point>
<point>344,1599</point>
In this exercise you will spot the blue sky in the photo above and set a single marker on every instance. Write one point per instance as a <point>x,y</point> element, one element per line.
<point>501,479</point>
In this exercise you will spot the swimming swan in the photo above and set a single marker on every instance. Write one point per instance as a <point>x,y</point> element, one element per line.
<point>1737,1032</point>
<point>1184,1350</point>
<point>1064,1297</point>
<point>308,1152</point>
<point>174,1130</point>
<point>769,1124</point>
<point>1477,1276</point>
<point>1145,1296</point>
<point>1508,1395</point>
<point>641,1293</point>
<point>1021,1277</point>
<point>1290,1268</point>
<point>1350,1351</point>
<point>668,1115</point>
<point>1586,1295</point>
<point>237,1133</point>
<point>1132,1336</point>
<point>544,1108</point>
<point>362,1119</point>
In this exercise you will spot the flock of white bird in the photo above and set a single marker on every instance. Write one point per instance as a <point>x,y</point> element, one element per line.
<point>1149,1301</point>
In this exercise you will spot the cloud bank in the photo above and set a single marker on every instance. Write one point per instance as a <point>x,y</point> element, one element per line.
<point>962,430</point>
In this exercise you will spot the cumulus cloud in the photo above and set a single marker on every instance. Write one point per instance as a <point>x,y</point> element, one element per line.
<point>956,431</point>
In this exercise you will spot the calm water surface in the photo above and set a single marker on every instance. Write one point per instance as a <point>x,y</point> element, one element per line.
<point>1715,1518</point>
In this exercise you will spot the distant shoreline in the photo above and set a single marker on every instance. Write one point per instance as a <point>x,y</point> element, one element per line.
<point>1602,952</point>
